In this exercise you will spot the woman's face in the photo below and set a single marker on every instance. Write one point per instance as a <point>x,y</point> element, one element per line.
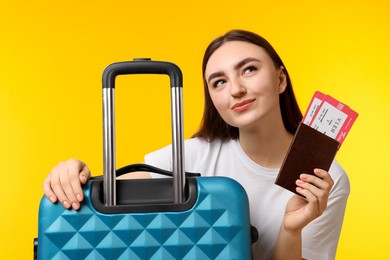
<point>244,84</point>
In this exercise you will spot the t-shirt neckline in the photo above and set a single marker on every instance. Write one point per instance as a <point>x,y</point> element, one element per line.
<point>247,160</point>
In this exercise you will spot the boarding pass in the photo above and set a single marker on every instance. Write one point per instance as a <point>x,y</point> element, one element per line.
<point>329,116</point>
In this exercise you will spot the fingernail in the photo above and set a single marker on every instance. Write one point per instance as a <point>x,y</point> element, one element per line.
<point>299,182</point>
<point>79,197</point>
<point>66,204</point>
<point>52,199</point>
<point>83,179</point>
<point>75,206</point>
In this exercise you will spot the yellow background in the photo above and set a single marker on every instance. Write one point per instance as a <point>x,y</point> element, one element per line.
<point>52,55</point>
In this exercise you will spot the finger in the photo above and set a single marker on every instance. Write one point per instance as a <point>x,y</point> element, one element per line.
<point>48,191</point>
<point>75,169</point>
<point>325,176</point>
<point>322,183</point>
<point>55,185</point>
<point>313,206</point>
<point>317,187</point>
<point>85,174</point>
<point>65,179</point>
<point>313,190</point>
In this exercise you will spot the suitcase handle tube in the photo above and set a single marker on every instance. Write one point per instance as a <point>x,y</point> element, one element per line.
<point>142,66</point>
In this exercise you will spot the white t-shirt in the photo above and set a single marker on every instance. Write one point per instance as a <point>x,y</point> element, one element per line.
<point>267,200</point>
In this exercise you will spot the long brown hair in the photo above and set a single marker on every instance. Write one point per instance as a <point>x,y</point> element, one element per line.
<point>212,125</point>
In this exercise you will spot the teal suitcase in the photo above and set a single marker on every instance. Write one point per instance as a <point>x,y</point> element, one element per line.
<point>183,217</point>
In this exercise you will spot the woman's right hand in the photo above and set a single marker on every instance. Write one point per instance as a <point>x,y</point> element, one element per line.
<point>64,183</point>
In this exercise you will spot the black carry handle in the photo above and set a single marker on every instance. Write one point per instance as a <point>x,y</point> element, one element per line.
<point>142,66</point>
<point>149,168</point>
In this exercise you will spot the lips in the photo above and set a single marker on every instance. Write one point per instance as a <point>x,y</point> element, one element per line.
<point>243,105</point>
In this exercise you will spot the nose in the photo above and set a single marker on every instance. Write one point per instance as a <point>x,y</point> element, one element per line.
<point>237,89</point>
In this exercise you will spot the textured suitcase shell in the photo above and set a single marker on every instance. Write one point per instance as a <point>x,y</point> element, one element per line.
<point>217,227</point>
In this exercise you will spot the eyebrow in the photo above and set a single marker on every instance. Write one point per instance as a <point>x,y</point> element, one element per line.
<point>237,66</point>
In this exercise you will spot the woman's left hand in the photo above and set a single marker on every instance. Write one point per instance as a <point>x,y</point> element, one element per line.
<point>300,212</point>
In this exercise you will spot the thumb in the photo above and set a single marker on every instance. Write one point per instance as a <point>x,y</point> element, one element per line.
<point>85,174</point>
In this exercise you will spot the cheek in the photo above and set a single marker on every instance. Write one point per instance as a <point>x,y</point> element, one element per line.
<point>218,100</point>
<point>266,82</point>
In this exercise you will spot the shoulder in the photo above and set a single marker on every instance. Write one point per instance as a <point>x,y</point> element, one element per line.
<point>337,171</point>
<point>199,145</point>
<point>196,148</point>
<point>340,178</point>
<point>196,151</point>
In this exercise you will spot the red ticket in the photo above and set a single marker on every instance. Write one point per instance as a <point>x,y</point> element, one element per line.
<point>331,117</point>
<point>314,104</point>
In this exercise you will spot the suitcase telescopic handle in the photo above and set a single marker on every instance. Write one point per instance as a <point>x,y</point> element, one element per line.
<point>142,66</point>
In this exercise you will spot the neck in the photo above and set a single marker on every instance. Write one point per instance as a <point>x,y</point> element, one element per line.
<point>266,145</point>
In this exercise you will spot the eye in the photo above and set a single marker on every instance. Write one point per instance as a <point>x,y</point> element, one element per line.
<point>218,83</point>
<point>249,69</point>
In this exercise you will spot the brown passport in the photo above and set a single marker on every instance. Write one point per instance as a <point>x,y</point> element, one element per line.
<point>309,149</point>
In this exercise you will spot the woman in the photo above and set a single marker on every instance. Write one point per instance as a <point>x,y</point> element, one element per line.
<point>249,119</point>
